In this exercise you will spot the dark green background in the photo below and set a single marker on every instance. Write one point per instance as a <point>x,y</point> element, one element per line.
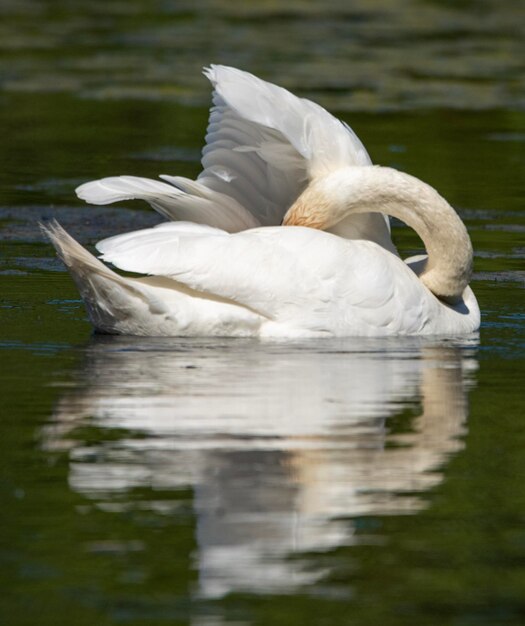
<point>92,89</point>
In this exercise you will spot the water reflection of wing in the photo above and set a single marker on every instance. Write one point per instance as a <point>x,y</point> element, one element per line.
<point>279,443</point>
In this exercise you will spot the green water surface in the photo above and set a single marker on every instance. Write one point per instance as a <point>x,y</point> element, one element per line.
<point>148,481</point>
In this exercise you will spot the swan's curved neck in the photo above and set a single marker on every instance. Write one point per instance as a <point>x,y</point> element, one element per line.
<point>381,189</point>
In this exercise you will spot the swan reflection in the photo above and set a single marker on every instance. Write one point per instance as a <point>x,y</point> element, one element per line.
<point>282,445</point>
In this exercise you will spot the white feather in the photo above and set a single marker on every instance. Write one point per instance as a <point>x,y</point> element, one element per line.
<point>263,282</point>
<point>200,204</point>
<point>229,270</point>
<point>147,306</point>
<point>263,146</point>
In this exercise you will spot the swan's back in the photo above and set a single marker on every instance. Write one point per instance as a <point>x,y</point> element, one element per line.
<point>293,277</point>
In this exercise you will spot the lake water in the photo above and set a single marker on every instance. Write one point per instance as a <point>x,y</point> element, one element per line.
<point>234,482</point>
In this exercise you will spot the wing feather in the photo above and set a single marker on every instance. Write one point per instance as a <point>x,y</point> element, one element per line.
<point>263,146</point>
<point>298,276</point>
<point>202,205</point>
<point>288,141</point>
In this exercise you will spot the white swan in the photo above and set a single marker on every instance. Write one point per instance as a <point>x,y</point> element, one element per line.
<point>233,271</point>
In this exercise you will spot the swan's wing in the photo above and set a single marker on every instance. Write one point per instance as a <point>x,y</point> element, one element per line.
<point>300,276</point>
<point>263,147</point>
<point>187,201</point>
<point>246,267</point>
<point>264,144</point>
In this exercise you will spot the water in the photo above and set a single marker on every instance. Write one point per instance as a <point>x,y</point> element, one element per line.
<point>234,482</point>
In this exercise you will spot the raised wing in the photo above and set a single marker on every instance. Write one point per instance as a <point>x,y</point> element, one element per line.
<point>188,201</point>
<point>263,147</point>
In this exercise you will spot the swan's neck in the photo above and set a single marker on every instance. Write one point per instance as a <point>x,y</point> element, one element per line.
<point>381,189</point>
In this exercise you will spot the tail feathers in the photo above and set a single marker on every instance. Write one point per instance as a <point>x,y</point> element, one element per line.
<point>75,257</point>
<point>109,298</point>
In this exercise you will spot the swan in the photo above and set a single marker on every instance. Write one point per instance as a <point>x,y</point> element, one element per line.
<point>283,234</point>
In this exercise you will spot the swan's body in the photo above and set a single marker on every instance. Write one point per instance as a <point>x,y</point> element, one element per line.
<point>234,272</point>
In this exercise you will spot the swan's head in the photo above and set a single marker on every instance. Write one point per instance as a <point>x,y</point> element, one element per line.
<point>375,189</point>
<point>328,200</point>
